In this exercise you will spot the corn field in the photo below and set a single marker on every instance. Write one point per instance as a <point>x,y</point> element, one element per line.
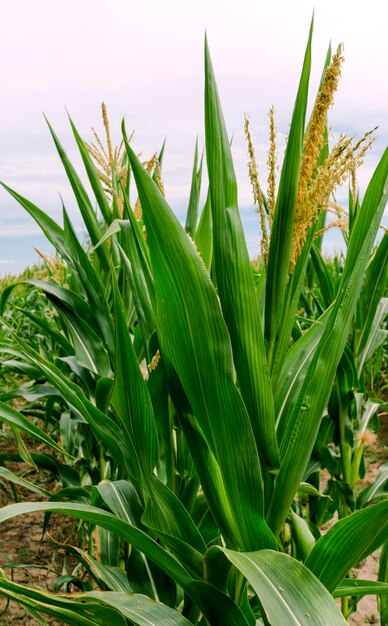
<point>205,417</point>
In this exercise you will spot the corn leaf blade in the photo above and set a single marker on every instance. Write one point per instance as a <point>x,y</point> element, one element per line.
<point>284,217</point>
<point>288,592</point>
<point>235,280</point>
<point>348,542</point>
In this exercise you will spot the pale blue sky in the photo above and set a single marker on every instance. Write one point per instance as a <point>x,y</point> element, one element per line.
<point>146,62</point>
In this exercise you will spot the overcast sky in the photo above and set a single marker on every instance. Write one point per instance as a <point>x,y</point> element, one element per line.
<point>145,60</point>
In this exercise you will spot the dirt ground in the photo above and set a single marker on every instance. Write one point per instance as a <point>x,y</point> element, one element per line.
<point>375,456</point>
<point>21,542</point>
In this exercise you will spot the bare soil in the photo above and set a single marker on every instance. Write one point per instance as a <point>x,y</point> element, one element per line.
<point>21,543</point>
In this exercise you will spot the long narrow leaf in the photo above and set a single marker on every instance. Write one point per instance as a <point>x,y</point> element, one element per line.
<point>85,206</point>
<point>235,280</point>
<point>139,609</point>
<point>192,211</point>
<point>283,221</point>
<point>288,593</point>
<point>348,542</point>
<point>18,420</point>
<point>132,402</point>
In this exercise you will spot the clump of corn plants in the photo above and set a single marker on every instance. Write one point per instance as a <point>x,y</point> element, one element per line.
<point>350,418</point>
<point>203,402</point>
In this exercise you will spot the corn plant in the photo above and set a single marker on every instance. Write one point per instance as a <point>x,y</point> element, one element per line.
<point>205,411</point>
<point>351,415</point>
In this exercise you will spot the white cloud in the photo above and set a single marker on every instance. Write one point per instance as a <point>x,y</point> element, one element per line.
<point>148,67</point>
<point>18,230</point>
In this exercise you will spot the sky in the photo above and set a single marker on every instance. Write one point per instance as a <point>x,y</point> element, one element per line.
<point>145,61</point>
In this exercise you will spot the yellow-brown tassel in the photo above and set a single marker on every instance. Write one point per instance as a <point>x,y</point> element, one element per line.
<point>257,195</point>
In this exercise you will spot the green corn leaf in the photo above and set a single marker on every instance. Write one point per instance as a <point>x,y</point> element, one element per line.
<point>131,400</point>
<point>91,283</point>
<point>17,480</point>
<point>378,489</point>
<point>283,221</point>
<point>4,297</point>
<point>53,232</point>
<point>68,611</point>
<point>48,329</point>
<point>80,318</point>
<point>302,535</point>
<point>287,591</point>
<point>357,587</point>
<point>168,518</point>
<point>139,609</point>
<point>123,529</point>
<point>219,608</point>
<point>141,299</point>
<point>113,229</point>
<point>383,577</point>
<point>235,280</point>
<point>42,323</point>
<point>193,335</point>
<point>24,369</point>
<point>103,393</point>
<point>114,578</point>
<point>203,458</point>
<point>192,211</point>
<point>323,275</point>
<point>20,422</point>
<point>82,373</point>
<point>69,428</point>
<point>376,335</point>
<point>204,234</point>
<point>143,288</point>
<point>36,616</point>
<point>158,390</point>
<point>123,500</point>
<point>305,489</point>
<point>135,260</point>
<point>93,177</point>
<point>372,292</point>
<point>70,299</point>
<point>31,393</point>
<point>294,285</point>
<point>290,306</point>
<point>73,494</point>
<point>293,373</point>
<point>66,474</point>
<point>85,206</point>
<point>110,553</point>
<point>349,541</point>
<point>22,448</point>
